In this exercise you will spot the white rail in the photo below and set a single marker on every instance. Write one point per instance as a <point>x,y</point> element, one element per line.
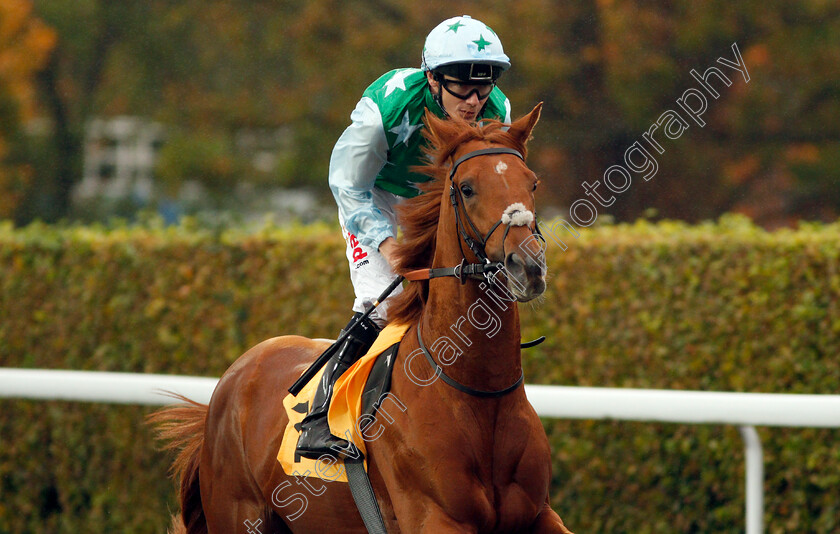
<point>746,410</point>
<point>100,386</point>
<point>691,407</point>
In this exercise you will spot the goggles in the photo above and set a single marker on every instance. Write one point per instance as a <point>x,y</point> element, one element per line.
<point>465,90</point>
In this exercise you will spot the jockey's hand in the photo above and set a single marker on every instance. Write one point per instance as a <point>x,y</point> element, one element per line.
<point>388,248</point>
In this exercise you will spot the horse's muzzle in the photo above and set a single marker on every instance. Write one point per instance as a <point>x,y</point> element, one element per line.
<point>525,276</point>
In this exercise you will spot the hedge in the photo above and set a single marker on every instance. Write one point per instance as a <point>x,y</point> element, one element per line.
<point>718,306</point>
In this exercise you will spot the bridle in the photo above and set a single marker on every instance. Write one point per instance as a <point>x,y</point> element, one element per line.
<point>485,268</point>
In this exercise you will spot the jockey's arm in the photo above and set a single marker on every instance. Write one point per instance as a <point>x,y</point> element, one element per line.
<point>358,156</point>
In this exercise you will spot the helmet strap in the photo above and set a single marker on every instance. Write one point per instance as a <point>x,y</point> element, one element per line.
<point>438,77</point>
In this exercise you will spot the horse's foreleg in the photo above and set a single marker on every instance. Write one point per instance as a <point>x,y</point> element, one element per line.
<point>238,517</point>
<point>442,524</point>
<point>418,515</point>
<point>548,522</point>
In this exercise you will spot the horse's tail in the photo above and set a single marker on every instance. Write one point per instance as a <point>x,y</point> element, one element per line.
<point>182,427</point>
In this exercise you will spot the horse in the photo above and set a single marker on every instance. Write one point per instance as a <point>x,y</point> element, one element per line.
<point>465,451</point>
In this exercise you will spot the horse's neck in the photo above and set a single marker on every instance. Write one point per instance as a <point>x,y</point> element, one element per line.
<point>479,321</point>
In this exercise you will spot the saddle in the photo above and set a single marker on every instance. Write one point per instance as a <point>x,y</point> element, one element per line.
<point>357,397</point>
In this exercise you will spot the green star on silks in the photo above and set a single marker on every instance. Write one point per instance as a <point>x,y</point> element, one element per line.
<point>455,26</point>
<point>482,44</point>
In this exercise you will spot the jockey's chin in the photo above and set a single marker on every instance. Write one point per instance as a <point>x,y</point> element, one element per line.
<point>468,115</point>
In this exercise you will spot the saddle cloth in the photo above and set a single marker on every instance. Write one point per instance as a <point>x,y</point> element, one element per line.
<point>345,411</point>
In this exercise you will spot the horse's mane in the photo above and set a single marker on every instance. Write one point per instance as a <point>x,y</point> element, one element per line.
<point>418,216</point>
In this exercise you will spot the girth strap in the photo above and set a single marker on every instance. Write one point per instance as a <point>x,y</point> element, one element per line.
<point>363,495</point>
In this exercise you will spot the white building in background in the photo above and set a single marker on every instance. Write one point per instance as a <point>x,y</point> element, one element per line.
<point>120,155</point>
<point>119,158</point>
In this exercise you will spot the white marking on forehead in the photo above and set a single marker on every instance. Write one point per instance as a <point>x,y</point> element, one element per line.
<point>517,215</point>
<point>500,168</point>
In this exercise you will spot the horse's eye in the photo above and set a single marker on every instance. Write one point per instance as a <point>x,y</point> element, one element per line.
<point>535,186</point>
<point>466,190</point>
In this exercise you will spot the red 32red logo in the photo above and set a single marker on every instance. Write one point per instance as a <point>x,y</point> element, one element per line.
<point>358,253</point>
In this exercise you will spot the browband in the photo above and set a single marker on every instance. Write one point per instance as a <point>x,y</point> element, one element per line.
<point>483,152</point>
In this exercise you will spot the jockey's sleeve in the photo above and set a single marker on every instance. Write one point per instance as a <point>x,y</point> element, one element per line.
<point>358,156</point>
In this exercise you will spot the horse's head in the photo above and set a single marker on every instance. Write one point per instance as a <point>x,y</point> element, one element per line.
<point>487,207</point>
<point>488,200</point>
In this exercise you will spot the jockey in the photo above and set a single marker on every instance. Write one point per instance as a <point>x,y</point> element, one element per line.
<point>369,175</point>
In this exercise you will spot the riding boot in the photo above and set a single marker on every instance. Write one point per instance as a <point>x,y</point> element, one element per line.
<point>315,437</point>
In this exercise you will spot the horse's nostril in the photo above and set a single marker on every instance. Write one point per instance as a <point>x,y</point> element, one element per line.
<point>536,267</point>
<point>518,265</point>
<point>514,264</point>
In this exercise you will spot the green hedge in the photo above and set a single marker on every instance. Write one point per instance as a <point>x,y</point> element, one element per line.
<point>722,306</point>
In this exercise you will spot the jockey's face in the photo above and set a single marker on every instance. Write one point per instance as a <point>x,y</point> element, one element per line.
<point>455,104</point>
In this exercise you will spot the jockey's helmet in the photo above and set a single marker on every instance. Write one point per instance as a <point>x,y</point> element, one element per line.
<point>466,49</point>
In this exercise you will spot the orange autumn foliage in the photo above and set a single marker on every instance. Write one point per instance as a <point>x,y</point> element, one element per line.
<point>25,44</point>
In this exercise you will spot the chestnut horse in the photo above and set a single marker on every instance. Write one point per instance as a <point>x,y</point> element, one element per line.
<point>468,453</point>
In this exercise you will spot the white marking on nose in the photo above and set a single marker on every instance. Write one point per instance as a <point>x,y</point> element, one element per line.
<point>517,215</point>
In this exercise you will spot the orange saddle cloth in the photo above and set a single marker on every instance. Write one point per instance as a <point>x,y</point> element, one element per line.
<point>345,410</point>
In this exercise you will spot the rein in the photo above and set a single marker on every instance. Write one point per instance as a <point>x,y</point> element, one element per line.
<point>460,271</point>
<point>459,386</point>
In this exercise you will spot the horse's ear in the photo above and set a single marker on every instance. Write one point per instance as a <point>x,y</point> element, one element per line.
<point>521,128</point>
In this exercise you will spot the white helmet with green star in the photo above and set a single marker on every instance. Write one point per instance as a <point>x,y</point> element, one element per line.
<point>468,42</point>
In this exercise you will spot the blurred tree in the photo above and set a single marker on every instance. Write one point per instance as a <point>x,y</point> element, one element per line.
<point>768,146</point>
<point>24,44</point>
<point>606,71</point>
<point>205,68</point>
<point>88,30</point>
